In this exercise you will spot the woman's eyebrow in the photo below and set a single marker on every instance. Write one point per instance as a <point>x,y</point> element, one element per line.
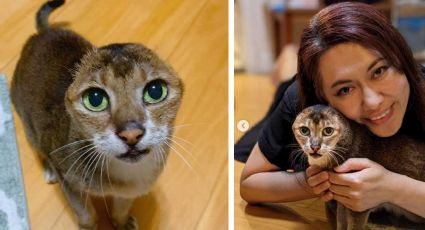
<point>374,63</point>
<point>339,82</point>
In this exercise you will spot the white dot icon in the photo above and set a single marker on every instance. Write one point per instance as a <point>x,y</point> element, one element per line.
<point>243,125</point>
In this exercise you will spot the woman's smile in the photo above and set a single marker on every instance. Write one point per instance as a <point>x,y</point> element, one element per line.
<point>380,118</point>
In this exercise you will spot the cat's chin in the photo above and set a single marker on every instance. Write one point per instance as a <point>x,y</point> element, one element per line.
<point>133,155</point>
<point>315,155</point>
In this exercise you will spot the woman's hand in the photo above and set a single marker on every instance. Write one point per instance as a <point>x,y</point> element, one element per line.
<point>363,189</point>
<point>318,180</point>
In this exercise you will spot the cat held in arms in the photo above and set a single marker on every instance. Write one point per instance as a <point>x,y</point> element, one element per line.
<point>100,118</point>
<point>327,138</point>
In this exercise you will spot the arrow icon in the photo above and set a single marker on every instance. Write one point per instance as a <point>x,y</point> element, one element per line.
<point>243,125</point>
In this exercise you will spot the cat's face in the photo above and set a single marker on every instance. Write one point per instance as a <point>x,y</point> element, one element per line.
<point>318,129</point>
<point>125,99</point>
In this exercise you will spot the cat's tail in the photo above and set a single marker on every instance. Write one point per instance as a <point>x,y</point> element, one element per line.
<point>42,17</point>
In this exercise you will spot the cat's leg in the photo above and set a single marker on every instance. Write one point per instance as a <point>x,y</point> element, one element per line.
<point>357,220</point>
<point>120,214</point>
<point>82,206</point>
<point>331,207</point>
<point>341,217</point>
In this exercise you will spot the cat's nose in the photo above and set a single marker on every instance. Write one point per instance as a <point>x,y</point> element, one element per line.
<point>131,133</point>
<point>315,148</point>
<point>131,137</point>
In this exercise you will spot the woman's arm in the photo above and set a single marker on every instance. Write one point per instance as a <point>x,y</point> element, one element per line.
<point>262,181</point>
<point>373,185</point>
<point>409,194</point>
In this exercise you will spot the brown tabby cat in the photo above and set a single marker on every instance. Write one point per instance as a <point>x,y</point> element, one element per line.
<point>328,139</point>
<point>101,118</point>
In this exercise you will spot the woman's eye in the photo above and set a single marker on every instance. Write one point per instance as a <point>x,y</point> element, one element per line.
<point>95,99</point>
<point>304,131</point>
<point>328,131</point>
<point>379,71</point>
<point>155,92</point>
<point>344,91</point>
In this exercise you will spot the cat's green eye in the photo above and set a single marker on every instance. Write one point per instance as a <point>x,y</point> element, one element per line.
<point>304,131</point>
<point>155,92</point>
<point>95,99</point>
<point>328,131</point>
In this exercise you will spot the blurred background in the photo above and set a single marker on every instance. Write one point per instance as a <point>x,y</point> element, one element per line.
<point>263,28</point>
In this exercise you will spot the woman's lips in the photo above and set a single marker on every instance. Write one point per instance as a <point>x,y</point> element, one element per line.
<point>382,117</point>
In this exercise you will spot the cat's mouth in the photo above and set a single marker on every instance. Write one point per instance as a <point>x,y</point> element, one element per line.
<point>314,155</point>
<point>133,155</point>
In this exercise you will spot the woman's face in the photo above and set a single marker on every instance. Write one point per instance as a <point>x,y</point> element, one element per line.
<point>361,85</point>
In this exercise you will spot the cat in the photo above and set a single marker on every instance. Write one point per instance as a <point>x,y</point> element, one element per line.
<point>327,138</point>
<point>99,118</point>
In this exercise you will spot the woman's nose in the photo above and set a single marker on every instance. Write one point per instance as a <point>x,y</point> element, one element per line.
<point>372,98</point>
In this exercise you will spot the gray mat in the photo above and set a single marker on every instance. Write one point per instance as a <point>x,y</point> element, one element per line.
<point>13,208</point>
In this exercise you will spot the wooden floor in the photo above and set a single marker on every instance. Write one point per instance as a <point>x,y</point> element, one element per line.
<point>253,96</point>
<point>192,36</point>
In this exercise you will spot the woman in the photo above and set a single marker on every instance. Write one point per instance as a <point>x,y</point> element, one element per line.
<point>352,59</point>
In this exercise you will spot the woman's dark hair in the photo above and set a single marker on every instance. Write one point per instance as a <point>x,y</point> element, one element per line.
<point>364,25</point>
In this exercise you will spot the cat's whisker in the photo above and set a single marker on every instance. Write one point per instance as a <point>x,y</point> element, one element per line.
<point>341,148</point>
<point>88,158</point>
<point>158,157</point>
<point>298,151</point>
<point>182,139</point>
<point>97,159</point>
<point>82,155</point>
<point>329,160</point>
<point>107,173</point>
<point>163,155</point>
<point>69,69</point>
<point>84,148</point>
<point>333,157</point>
<point>181,156</point>
<point>86,169</point>
<point>76,151</point>
<point>75,161</point>
<point>304,160</point>
<point>338,155</point>
<point>68,145</point>
<point>191,124</point>
<point>184,149</point>
<point>155,155</point>
<point>295,154</point>
<point>101,184</point>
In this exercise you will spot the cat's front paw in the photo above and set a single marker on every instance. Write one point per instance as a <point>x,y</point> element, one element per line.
<point>130,224</point>
<point>50,176</point>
